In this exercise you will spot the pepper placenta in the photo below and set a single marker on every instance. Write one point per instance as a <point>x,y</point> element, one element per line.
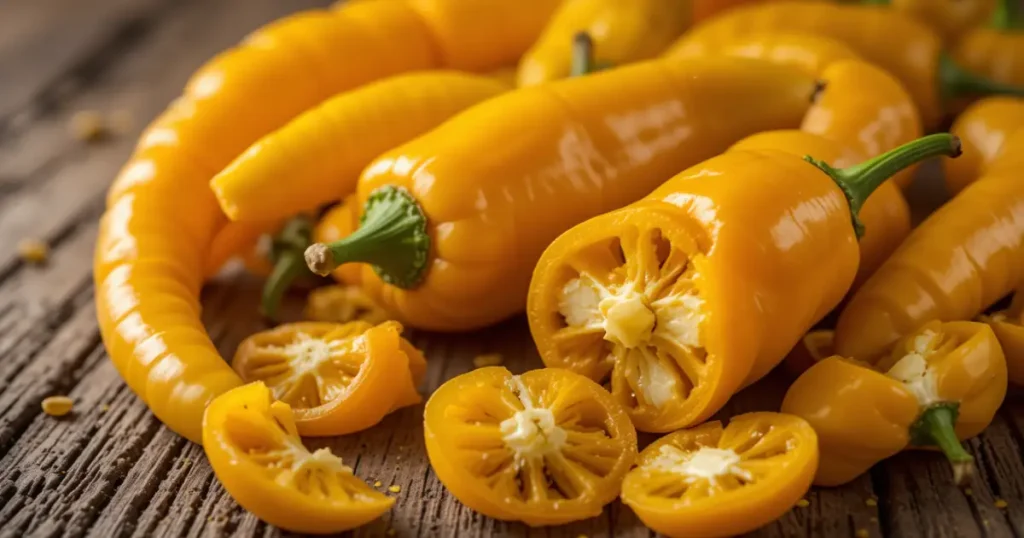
<point>962,259</point>
<point>254,449</point>
<point>454,221</point>
<point>622,33</point>
<point>941,383</point>
<point>545,447</point>
<point>716,480</point>
<point>161,214</point>
<point>649,296</point>
<point>896,42</point>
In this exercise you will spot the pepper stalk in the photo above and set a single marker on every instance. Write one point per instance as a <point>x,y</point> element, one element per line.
<point>287,254</point>
<point>935,427</point>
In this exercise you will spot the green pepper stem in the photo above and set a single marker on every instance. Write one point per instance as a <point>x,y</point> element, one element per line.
<point>392,237</point>
<point>937,425</point>
<point>288,266</point>
<point>859,181</point>
<point>955,81</point>
<point>582,54</point>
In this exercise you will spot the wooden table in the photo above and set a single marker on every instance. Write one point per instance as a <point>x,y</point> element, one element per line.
<point>111,469</point>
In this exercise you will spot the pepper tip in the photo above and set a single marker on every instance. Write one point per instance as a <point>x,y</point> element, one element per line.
<point>956,147</point>
<point>319,259</point>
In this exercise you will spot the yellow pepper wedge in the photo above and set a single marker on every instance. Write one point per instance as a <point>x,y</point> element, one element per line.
<point>622,33</point>
<point>155,236</point>
<point>716,480</point>
<point>648,297</point>
<point>317,157</point>
<point>254,448</point>
<point>942,383</point>
<point>454,221</point>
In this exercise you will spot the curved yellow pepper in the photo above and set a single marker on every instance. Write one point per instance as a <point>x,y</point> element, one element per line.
<point>984,128</point>
<point>942,382</point>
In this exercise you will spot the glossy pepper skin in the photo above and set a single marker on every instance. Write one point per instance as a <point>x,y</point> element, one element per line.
<point>864,415</point>
<point>161,215</point>
<point>650,296</point>
<point>479,198</point>
<point>622,33</point>
<point>867,112</point>
<point>894,41</point>
<point>963,258</point>
<point>984,128</point>
<point>317,157</point>
<point>809,52</point>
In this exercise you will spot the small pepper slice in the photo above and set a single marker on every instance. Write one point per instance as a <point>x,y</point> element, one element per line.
<point>941,383</point>
<point>342,304</point>
<point>254,448</point>
<point>1009,328</point>
<point>339,378</point>
<point>715,480</point>
<point>545,447</point>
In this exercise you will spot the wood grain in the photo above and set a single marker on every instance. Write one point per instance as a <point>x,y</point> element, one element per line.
<point>111,470</point>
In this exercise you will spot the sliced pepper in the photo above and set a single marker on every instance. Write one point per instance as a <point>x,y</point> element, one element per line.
<point>545,447</point>
<point>339,378</point>
<point>342,304</point>
<point>254,448</point>
<point>942,383</point>
<point>715,480</point>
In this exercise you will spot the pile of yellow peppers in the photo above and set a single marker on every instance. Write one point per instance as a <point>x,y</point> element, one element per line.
<point>675,192</point>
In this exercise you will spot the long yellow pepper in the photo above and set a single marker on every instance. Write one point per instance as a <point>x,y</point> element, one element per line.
<point>161,213</point>
<point>455,220</point>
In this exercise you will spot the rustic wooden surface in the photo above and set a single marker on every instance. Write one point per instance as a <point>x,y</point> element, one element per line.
<point>110,469</point>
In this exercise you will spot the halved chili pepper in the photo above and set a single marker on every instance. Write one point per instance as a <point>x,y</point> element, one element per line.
<point>161,215</point>
<point>454,221</point>
<point>650,296</point>
<point>338,378</point>
<point>941,383</point>
<point>903,46</point>
<point>962,259</point>
<point>545,447</point>
<point>716,480</point>
<point>984,128</point>
<point>622,32</point>
<point>254,448</point>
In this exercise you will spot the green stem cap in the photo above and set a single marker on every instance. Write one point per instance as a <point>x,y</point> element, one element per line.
<point>935,427</point>
<point>859,181</point>
<point>955,81</point>
<point>392,237</point>
<point>288,266</point>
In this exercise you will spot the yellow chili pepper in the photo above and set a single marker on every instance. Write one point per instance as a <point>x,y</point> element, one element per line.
<point>648,297</point>
<point>622,33</point>
<point>950,18</point>
<point>161,214</point>
<point>454,221</point>
<point>943,382</point>
<point>896,42</point>
<point>317,157</point>
<point>984,128</point>
<point>963,258</point>
<point>811,53</point>
<point>996,50</point>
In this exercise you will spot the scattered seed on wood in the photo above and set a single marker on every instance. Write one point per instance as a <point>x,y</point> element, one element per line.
<point>57,406</point>
<point>33,251</point>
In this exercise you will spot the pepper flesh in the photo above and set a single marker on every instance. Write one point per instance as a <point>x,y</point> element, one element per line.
<point>600,141</point>
<point>963,258</point>
<point>317,157</point>
<point>161,214</point>
<point>896,42</point>
<point>622,33</point>
<point>862,415</point>
<point>714,481</point>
